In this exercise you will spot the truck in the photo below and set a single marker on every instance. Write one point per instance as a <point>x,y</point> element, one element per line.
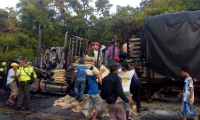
<point>168,42</point>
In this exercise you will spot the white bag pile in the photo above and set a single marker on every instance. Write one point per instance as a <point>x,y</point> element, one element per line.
<point>69,102</point>
<point>99,80</point>
<point>89,61</point>
<point>60,76</point>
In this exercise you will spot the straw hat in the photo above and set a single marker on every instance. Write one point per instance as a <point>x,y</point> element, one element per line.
<point>14,64</point>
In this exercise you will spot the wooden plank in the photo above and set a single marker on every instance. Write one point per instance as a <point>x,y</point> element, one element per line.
<point>134,39</point>
<point>134,52</point>
<point>134,43</point>
<point>135,56</point>
<point>135,47</point>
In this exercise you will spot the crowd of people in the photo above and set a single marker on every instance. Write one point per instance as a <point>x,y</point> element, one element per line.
<point>117,86</point>
<point>115,89</point>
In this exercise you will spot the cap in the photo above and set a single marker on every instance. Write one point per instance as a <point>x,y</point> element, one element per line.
<point>3,64</point>
<point>14,64</point>
<point>118,65</point>
<point>117,58</point>
<point>81,61</point>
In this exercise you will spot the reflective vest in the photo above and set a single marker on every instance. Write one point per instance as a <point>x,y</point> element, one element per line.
<point>23,75</point>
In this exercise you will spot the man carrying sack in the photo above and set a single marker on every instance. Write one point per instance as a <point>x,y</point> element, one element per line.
<point>26,75</point>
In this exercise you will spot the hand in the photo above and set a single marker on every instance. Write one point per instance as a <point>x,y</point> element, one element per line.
<point>19,80</point>
<point>190,102</point>
<point>179,95</point>
<point>72,81</point>
<point>35,81</point>
<point>130,102</point>
<point>103,70</point>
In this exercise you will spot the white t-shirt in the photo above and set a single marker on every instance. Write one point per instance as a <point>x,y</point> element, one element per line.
<point>186,89</point>
<point>96,55</point>
<point>126,79</point>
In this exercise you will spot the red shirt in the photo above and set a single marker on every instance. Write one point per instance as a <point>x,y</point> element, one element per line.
<point>94,44</point>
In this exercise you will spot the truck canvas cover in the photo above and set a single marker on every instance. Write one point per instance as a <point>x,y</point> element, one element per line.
<point>171,41</point>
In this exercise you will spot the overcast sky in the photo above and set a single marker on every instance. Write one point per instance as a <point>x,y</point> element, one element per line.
<point>133,3</point>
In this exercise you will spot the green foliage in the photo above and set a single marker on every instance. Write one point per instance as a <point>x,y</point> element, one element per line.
<point>19,28</point>
<point>17,44</point>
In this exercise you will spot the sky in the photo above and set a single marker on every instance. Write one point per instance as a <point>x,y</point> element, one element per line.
<point>133,3</point>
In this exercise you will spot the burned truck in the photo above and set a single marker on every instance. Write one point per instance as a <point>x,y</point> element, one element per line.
<point>168,42</point>
<point>53,67</point>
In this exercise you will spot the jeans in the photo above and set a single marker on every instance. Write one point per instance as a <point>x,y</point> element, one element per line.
<point>79,87</point>
<point>126,105</point>
<point>187,108</point>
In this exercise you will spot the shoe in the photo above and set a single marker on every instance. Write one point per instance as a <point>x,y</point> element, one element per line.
<point>138,110</point>
<point>80,100</point>
<point>77,97</point>
<point>26,108</point>
<point>11,101</point>
<point>18,108</point>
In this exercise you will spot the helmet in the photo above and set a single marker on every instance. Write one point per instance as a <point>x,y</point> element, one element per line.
<point>1,69</point>
<point>3,64</point>
<point>53,48</point>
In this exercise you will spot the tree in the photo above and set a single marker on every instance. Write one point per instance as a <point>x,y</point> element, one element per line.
<point>103,7</point>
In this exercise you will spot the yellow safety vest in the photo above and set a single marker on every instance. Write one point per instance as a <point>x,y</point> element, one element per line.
<point>23,75</point>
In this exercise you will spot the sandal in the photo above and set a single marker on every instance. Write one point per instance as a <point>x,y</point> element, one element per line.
<point>8,103</point>
<point>89,118</point>
<point>11,101</point>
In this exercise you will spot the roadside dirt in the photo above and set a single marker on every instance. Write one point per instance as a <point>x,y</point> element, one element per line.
<point>41,108</point>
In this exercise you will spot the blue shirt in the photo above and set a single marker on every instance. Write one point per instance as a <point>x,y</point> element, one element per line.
<point>80,71</point>
<point>93,85</point>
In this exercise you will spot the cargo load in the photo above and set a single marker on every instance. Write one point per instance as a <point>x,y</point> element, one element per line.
<point>171,41</point>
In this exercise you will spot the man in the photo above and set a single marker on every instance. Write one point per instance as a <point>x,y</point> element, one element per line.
<point>24,79</point>
<point>3,73</point>
<point>95,99</point>
<point>94,45</point>
<point>11,83</point>
<point>135,89</point>
<point>125,47</point>
<point>110,51</point>
<point>114,39</point>
<point>123,54</point>
<point>126,77</point>
<point>188,95</point>
<point>110,91</point>
<point>80,81</point>
<point>110,54</point>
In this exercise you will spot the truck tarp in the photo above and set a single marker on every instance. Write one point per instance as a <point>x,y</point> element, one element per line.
<point>171,41</point>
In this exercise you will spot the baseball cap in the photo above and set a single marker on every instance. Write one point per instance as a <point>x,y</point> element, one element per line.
<point>117,58</point>
<point>81,61</point>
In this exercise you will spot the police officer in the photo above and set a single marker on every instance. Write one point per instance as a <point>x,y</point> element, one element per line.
<point>3,72</point>
<point>24,73</point>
